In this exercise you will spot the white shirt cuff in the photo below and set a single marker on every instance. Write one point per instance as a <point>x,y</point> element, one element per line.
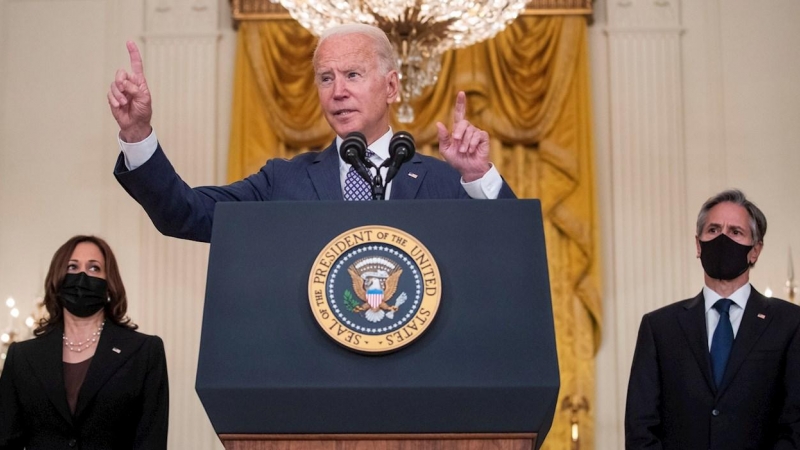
<point>138,153</point>
<point>486,187</point>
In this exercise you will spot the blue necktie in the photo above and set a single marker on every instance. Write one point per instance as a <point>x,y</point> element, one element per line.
<point>356,187</point>
<point>722,341</point>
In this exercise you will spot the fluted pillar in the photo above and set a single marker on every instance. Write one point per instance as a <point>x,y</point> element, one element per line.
<point>180,60</point>
<point>647,238</point>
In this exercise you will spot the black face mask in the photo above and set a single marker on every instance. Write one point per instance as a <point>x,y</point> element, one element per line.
<point>723,258</point>
<point>83,295</point>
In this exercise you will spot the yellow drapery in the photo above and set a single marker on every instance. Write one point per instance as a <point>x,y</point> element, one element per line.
<point>529,88</point>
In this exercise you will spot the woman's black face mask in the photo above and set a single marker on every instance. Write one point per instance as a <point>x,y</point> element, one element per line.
<point>83,295</point>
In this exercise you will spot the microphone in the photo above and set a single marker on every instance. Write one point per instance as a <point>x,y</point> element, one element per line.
<point>354,151</point>
<point>401,150</point>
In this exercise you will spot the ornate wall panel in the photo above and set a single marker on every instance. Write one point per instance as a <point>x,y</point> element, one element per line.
<point>180,60</point>
<point>648,237</point>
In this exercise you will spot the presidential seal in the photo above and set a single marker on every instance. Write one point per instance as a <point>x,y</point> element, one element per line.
<point>374,289</point>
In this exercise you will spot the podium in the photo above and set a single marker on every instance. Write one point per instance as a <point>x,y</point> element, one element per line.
<point>484,373</point>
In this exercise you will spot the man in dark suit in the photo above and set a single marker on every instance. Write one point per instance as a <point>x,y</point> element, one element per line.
<point>357,81</point>
<point>720,370</point>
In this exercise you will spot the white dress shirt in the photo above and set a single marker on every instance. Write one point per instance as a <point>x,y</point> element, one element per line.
<point>739,298</point>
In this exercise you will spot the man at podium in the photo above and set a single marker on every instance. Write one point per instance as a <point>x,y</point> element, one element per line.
<point>357,80</point>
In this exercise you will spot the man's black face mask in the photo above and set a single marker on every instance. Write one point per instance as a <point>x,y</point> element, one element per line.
<point>723,258</point>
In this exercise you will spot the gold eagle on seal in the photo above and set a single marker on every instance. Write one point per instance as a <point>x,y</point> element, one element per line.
<point>375,282</point>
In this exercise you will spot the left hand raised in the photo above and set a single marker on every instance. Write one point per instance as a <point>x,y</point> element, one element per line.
<point>467,148</point>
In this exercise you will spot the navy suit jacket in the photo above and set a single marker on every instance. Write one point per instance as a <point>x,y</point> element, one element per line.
<point>673,402</point>
<point>123,402</point>
<point>181,211</point>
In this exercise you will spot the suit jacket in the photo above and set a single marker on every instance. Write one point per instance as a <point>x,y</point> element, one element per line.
<point>178,210</point>
<point>123,402</point>
<point>673,402</point>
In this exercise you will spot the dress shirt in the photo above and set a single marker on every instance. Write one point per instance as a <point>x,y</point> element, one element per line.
<point>739,299</point>
<point>487,187</point>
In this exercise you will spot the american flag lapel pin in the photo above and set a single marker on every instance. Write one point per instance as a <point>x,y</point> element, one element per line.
<point>116,350</point>
<point>761,316</point>
<point>413,175</point>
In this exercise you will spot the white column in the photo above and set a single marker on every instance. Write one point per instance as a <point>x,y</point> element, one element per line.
<point>180,57</point>
<point>643,163</point>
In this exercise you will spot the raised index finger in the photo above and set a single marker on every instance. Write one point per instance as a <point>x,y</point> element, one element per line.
<point>461,107</point>
<point>136,58</point>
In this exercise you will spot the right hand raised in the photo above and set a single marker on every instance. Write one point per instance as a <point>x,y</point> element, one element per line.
<point>129,98</point>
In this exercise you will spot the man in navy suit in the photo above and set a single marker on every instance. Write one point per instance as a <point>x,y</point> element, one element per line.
<point>719,371</point>
<point>357,81</point>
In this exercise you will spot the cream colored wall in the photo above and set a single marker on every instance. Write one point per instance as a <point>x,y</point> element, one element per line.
<point>58,147</point>
<point>736,102</point>
<point>699,96</point>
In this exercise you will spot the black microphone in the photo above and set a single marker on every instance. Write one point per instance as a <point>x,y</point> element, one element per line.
<point>401,150</point>
<point>354,151</point>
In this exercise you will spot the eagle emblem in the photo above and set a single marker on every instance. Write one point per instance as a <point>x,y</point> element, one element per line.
<point>375,281</point>
<point>374,289</point>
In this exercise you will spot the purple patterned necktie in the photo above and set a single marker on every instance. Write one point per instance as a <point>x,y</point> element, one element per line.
<point>356,187</point>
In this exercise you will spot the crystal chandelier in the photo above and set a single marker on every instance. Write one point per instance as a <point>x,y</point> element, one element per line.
<point>420,30</point>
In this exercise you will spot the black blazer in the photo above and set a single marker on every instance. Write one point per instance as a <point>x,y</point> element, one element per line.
<point>672,400</point>
<point>178,210</point>
<point>123,402</point>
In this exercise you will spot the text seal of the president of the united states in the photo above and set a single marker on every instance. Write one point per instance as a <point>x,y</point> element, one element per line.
<point>374,289</point>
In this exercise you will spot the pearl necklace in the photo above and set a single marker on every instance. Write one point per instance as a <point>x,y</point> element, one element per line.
<point>83,345</point>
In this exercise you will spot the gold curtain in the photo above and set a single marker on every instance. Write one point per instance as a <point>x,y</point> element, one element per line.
<point>529,88</point>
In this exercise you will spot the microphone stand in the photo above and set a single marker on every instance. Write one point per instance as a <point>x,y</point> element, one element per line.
<point>376,183</point>
<point>378,189</point>
<point>354,150</point>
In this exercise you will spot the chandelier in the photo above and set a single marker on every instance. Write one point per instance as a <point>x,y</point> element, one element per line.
<point>13,333</point>
<point>420,31</point>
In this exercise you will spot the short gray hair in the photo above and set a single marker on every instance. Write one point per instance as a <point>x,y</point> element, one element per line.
<point>758,222</point>
<point>387,58</point>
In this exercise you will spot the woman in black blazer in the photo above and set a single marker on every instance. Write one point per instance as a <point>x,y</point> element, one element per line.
<point>88,380</point>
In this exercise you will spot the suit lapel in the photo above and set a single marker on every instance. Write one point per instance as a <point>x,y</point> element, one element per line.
<point>408,180</point>
<point>750,330</point>
<point>324,174</point>
<point>48,368</point>
<point>114,349</point>
<point>693,323</point>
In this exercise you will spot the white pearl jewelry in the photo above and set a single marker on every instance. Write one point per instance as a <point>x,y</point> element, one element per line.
<point>83,345</point>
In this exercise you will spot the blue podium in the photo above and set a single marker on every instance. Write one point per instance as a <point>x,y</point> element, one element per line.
<point>485,367</point>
